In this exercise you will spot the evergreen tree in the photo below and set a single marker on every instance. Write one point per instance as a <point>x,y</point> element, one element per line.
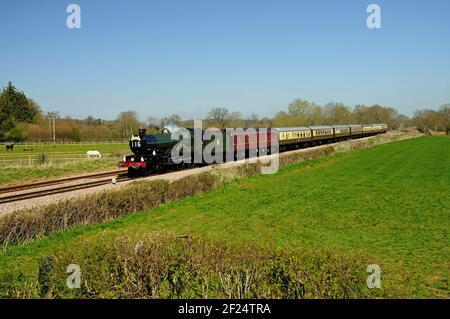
<point>15,107</point>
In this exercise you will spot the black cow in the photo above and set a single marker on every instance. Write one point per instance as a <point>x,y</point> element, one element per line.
<point>10,146</point>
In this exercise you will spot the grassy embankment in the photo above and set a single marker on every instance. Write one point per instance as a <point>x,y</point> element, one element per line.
<point>57,161</point>
<point>388,205</point>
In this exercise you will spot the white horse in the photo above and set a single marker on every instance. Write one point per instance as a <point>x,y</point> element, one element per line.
<point>94,154</point>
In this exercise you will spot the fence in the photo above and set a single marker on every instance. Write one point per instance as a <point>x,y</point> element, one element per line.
<point>41,159</point>
<point>65,142</point>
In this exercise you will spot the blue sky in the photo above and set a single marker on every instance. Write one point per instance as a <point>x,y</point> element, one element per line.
<point>252,56</point>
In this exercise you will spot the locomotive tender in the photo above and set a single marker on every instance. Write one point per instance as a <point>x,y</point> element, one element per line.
<point>152,152</point>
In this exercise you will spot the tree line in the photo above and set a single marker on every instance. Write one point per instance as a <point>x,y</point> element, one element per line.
<point>21,119</point>
<point>305,113</point>
<point>429,121</point>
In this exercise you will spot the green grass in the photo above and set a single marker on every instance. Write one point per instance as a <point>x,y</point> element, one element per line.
<point>59,167</point>
<point>63,148</point>
<point>390,204</point>
<point>18,175</point>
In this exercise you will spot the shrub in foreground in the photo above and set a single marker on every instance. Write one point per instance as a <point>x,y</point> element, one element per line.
<point>166,266</point>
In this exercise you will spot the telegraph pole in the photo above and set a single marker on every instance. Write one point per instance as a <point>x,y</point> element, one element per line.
<point>50,125</point>
<point>51,116</point>
<point>54,133</point>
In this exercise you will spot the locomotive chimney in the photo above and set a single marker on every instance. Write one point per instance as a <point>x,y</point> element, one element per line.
<point>142,132</point>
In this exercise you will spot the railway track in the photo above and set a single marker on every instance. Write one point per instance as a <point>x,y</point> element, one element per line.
<point>121,176</point>
<point>24,187</point>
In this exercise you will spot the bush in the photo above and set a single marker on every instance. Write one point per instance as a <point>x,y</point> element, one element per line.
<point>96,208</point>
<point>16,134</point>
<point>165,266</point>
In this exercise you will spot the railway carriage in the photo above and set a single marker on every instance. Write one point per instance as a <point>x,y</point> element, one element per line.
<point>380,127</point>
<point>368,128</point>
<point>251,143</point>
<point>320,133</point>
<point>341,132</point>
<point>356,130</point>
<point>288,136</point>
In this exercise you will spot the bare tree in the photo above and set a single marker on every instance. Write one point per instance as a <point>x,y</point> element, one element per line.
<point>127,123</point>
<point>153,123</point>
<point>337,113</point>
<point>427,120</point>
<point>235,120</point>
<point>445,117</point>
<point>303,112</point>
<point>219,116</point>
<point>172,119</point>
<point>253,121</point>
<point>299,110</point>
<point>281,119</point>
<point>360,114</point>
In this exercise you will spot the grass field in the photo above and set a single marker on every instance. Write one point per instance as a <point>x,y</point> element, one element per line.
<point>389,204</point>
<point>63,148</point>
<point>19,175</point>
<point>61,160</point>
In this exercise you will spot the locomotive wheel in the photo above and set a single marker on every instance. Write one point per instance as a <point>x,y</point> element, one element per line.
<point>131,172</point>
